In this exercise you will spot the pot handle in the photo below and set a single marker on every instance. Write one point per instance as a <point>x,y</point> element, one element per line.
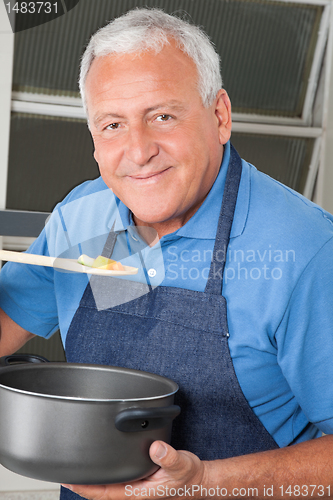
<point>19,359</point>
<point>145,419</point>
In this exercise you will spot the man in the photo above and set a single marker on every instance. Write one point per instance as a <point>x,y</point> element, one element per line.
<point>254,370</point>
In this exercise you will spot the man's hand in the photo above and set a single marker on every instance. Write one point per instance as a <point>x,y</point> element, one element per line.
<point>302,470</point>
<point>178,470</point>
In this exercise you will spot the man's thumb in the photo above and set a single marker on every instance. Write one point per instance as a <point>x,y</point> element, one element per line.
<point>164,455</point>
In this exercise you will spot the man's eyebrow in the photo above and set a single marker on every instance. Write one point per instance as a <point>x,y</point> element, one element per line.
<point>174,105</point>
<point>104,116</point>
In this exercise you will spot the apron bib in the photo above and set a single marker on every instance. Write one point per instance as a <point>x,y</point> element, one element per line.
<point>183,335</point>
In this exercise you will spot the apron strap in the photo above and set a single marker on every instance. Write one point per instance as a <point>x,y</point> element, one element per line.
<point>215,278</point>
<point>110,243</point>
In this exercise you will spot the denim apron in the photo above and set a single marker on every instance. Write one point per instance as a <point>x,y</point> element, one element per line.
<point>180,334</point>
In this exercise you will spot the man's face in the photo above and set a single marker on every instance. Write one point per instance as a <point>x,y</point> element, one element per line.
<point>158,148</point>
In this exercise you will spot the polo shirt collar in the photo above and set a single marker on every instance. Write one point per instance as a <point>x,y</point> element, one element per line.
<point>203,224</point>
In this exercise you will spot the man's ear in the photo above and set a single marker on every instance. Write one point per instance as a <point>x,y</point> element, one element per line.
<point>223,115</point>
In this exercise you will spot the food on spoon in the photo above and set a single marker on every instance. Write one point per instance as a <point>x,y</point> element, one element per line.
<point>109,264</point>
<point>101,263</point>
<point>85,260</point>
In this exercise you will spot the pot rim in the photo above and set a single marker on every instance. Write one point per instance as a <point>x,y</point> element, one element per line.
<point>91,400</point>
<point>84,366</point>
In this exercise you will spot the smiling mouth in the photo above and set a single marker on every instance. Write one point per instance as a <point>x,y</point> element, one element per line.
<point>148,176</point>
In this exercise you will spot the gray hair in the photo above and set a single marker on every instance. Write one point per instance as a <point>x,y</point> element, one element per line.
<point>143,29</point>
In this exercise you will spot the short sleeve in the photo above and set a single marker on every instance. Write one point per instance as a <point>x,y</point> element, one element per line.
<point>305,340</point>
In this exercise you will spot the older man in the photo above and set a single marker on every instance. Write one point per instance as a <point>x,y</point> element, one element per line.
<point>251,384</point>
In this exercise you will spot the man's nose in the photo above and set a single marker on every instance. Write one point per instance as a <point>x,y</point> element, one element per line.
<point>141,146</point>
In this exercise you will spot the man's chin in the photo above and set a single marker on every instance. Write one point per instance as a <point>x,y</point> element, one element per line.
<point>143,220</point>
<point>149,217</point>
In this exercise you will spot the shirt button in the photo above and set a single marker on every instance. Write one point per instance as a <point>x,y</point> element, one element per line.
<point>152,273</point>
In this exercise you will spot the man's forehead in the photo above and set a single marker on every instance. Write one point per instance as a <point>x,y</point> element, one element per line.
<point>117,85</point>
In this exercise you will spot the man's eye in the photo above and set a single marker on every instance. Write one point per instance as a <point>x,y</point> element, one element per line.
<point>163,118</point>
<point>112,126</point>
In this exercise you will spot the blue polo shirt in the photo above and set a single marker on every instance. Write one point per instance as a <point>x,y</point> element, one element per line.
<point>278,283</point>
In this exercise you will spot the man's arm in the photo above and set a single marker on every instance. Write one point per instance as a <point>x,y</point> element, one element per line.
<point>304,470</point>
<point>12,336</point>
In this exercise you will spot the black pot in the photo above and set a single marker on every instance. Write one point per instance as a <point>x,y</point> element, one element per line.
<point>81,424</point>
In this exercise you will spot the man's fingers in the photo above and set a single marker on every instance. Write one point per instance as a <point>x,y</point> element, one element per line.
<point>176,468</point>
<point>168,458</point>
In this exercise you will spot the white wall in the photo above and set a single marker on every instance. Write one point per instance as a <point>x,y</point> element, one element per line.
<point>324,191</point>
<point>13,482</point>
